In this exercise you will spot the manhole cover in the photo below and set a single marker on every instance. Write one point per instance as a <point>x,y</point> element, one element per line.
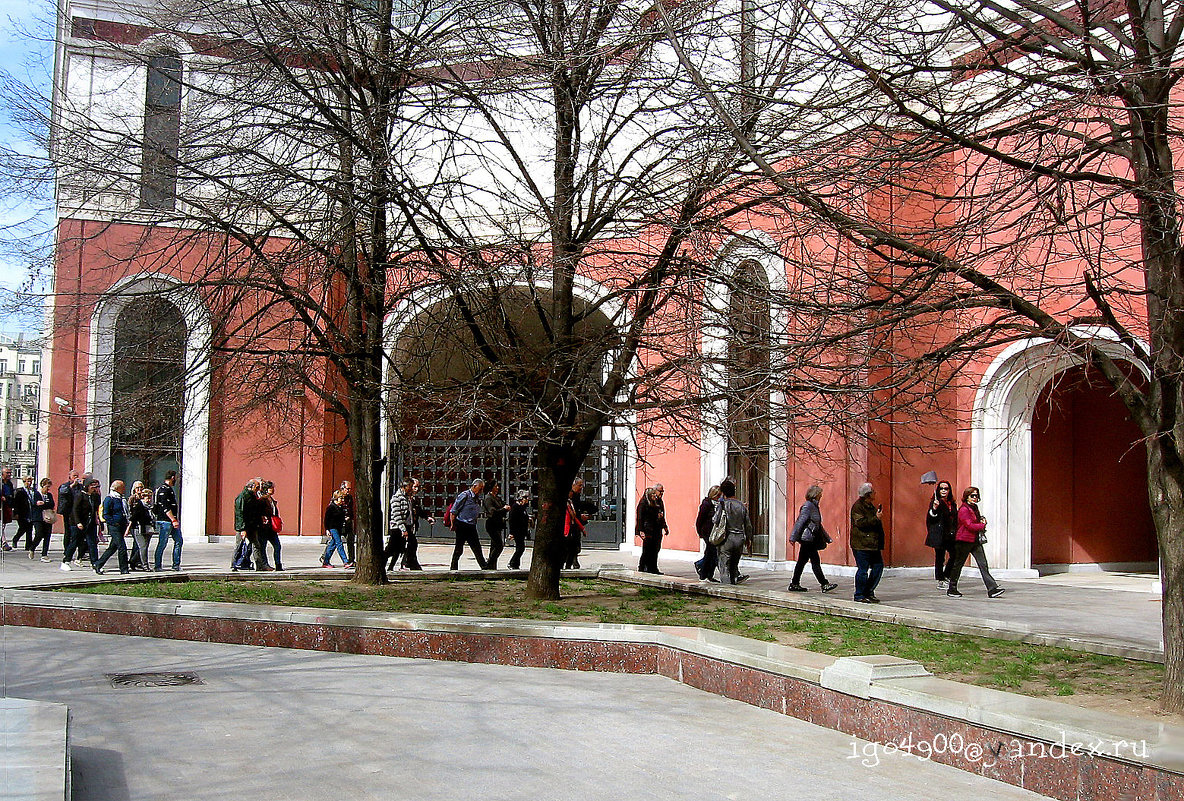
<point>166,679</point>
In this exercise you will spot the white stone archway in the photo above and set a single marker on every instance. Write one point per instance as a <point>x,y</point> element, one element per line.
<point>758,247</point>
<point>586,290</point>
<point>1001,439</point>
<point>195,441</point>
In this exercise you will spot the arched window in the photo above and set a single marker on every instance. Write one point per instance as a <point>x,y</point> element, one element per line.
<point>748,395</point>
<point>148,391</point>
<point>162,132</point>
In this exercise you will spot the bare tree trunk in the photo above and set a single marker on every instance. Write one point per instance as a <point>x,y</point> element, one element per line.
<point>558,466</point>
<point>364,439</point>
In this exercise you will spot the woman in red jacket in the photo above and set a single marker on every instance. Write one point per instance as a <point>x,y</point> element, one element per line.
<point>969,539</point>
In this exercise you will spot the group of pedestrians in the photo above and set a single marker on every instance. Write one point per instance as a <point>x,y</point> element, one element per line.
<point>501,517</point>
<point>92,520</point>
<point>257,524</point>
<point>955,533</point>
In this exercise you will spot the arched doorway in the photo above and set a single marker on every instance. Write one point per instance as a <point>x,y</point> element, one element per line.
<point>150,334</point>
<point>464,373</point>
<point>749,321</point>
<point>148,403</point>
<point>1089,476</point>
<point>1002,439</point>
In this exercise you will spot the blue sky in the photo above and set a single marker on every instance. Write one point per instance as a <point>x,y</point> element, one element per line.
<point>26,56</point>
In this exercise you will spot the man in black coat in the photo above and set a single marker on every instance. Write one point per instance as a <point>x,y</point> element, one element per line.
<point>70,539</point>
<point>87,503</point>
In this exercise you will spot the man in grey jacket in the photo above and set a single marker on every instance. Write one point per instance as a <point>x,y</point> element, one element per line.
<point>401,525</point>
<point>739,527</point>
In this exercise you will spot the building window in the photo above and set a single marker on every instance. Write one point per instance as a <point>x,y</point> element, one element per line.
<point>148,389</point>
<point>29,471</point>
<point>33,415</point>
<point>20,417</point>
<point>162,132</point>
<point>21,365</point>
<point>19,441</point>
<point>3,365</point>
<point>36,367</point>
<point>33,443</point>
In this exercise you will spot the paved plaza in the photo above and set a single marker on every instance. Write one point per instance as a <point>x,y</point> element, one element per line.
<point>1078,605</point>
<point>273,723</point>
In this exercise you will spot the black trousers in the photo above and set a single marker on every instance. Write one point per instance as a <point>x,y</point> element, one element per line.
<point>466,534</point>
<point>43,530</point>
<point>519,547</point>
<point>709,562</point>
<point>496,545</point>
<point>943,561</point>
<point>24,528</point>
<point>396,545</point>
<point>651,544</point>
<point>411,554</point>
<point>571,557</point>
<point>808,553</point>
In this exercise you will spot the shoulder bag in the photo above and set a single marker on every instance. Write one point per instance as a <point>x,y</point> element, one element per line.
<point>719,527</point>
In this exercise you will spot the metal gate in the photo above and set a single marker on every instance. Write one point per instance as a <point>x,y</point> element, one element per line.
<point>446,467</point>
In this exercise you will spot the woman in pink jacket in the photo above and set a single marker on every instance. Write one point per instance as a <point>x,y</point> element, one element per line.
<point>968,540</point>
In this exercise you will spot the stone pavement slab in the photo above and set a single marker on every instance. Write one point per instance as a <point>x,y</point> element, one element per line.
<point>271,723</point>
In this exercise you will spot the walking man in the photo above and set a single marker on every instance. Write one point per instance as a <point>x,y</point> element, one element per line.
<point>465,510</point>
<point>22,503</point>
<point>168,524</point>
<point>867,543</point>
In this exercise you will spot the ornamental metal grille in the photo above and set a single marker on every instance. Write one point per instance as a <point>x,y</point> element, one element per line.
<point>446,467</point>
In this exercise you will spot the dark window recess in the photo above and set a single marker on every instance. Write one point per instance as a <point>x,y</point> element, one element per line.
<point>162,132</point>
<point>148,391</point>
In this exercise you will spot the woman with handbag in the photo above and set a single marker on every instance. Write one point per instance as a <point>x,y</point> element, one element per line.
<point>271,524</point>
<point>43,520</point>
<point>969,539</point>
<point>811,538</point>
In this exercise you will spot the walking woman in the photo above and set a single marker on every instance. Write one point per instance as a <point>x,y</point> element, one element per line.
<point>334,523</point>
<point>651,524</point>
<point>519,526</point>
<point>710,560</point>
<point>42,524</point>
<point>139,506</point>
<point>269,531</point>
<point>495,510</point>
<point>811,537</point>
<point>941,522</point>
<point>969,539</point>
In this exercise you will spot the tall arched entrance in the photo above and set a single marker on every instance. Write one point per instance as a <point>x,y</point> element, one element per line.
<point>1058,463</point>
<point>1089,477</point>
<point>453,416</point>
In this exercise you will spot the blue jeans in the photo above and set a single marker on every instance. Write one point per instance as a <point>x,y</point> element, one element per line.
<point>335,544</point>
<point>164,530</point>
<point>870,565</point>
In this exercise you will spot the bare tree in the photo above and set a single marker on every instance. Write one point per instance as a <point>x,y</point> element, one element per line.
<point>986,173</point>
<point>526,188</point>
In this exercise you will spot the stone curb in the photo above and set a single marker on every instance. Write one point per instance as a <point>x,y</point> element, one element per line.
<point>889,701</point>
<point>932,621</point>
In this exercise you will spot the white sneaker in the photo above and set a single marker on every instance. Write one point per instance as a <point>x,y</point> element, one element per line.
<point>66,567</point>
<point>45,559</point>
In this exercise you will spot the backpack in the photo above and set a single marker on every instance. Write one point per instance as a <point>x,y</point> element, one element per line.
<point>448,521</point>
